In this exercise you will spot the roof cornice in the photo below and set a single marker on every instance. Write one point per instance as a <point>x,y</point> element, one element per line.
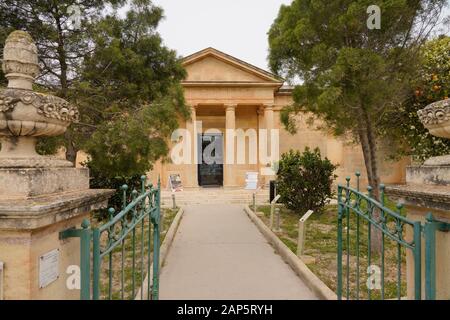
<point>230,84</point>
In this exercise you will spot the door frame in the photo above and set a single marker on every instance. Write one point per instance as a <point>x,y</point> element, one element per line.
<point>200,159</point>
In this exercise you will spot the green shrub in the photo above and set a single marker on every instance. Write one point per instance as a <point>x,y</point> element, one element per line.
<point>100,181</point>
<point>305,180</point>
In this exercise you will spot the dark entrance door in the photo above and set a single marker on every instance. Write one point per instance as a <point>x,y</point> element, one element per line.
<point>210,156</point>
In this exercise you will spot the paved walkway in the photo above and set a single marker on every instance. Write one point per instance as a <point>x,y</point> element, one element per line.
<point>218,253</point>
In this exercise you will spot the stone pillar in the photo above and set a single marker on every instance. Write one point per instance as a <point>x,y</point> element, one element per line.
<point>191,169</point>
<point>40,196</point>
<point>427,190</point>
<point>230,149</point>
<point>269,124</point>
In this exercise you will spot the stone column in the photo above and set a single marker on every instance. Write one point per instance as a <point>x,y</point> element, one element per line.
<point>191,169</point>
<point>269,124</point>
<point>40,196</point>
<point>230,147</point>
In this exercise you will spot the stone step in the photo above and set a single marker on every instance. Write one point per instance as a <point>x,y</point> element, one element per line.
<point>214,196</point>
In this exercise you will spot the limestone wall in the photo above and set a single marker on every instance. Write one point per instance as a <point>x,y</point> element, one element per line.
<point>20,251</point>
<point>346,154</point>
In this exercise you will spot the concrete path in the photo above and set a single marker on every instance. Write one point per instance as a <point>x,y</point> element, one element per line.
<point>218,253</point>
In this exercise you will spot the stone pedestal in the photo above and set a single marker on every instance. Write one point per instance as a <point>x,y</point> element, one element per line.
<point>30,222</point>
<point>427,190</point>
<point>421,197</point>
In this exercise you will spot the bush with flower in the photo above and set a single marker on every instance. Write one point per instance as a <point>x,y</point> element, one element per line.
<point>432,84</point>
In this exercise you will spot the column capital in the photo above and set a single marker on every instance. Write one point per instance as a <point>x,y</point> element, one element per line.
<point>268,106</point>
<point>230,106</point>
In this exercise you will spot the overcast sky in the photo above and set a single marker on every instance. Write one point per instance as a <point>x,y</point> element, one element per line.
<point>236,27</point>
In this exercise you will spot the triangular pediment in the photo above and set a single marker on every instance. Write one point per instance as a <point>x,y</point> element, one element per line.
<point>211,65</point>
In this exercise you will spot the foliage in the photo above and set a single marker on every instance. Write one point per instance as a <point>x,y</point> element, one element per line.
<point>305,180</point>
<point>431,84</point>
<point>61,47</point>
<point>118,72</point>
<point>351,75</point>
<point>129,94</point>
<point>101,181</point>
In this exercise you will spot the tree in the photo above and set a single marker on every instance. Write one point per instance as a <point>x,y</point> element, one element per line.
<point>115,68</point>
<point>130,94</point>
<point>61,45</point>
<point>430,85</point>
<point>352,75</point>
<point>304,180</point>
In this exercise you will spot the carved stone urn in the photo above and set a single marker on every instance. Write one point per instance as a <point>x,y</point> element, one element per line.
<point>436,118</point>
<point>40,196</point>
<point>25,114</point>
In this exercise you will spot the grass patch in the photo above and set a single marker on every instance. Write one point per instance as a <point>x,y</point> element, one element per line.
<point>321,243</point>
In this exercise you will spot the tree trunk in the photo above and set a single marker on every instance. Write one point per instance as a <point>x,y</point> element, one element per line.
<point>375,240</point>
<point>71,151</point>
<point>368,145</point>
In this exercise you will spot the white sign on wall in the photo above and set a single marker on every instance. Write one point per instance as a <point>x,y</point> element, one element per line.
<point>251,180</point>
<point>48,268</point>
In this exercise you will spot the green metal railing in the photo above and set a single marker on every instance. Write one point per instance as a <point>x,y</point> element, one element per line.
<point>125,242</point>
<point>370,217</point>
<point>432,225</point>
<point>359,212</point>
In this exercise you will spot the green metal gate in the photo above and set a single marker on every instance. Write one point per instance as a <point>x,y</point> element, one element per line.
<point>360,218</point>
<point>124,249</point>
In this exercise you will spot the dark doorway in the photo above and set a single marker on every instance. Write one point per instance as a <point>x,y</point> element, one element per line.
<point>210,158</point>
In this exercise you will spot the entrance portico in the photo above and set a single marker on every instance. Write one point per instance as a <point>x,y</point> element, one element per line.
<point>230,121</point>
<point>226,94</point>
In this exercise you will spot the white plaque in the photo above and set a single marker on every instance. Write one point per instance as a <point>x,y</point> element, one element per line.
<point>48,268</point>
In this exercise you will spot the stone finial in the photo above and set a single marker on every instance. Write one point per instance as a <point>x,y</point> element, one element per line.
<point>20,60</point>
<point>25,114</point>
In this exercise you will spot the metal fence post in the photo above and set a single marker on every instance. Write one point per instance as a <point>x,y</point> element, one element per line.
<point>339,244</point>
<point>156,239</point>
<point>430,258</point>
<point>417,261</point>
<point>96,264</point>
<point>85,260</point>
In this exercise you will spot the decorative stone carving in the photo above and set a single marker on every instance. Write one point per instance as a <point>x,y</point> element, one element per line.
<point>25,114</point>
<point>435,113</point>
<point>20,58</point>
<point>46,105</point>
<point>436,118</point>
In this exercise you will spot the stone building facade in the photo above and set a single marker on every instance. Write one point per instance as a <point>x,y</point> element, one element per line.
<point>225,94</point>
